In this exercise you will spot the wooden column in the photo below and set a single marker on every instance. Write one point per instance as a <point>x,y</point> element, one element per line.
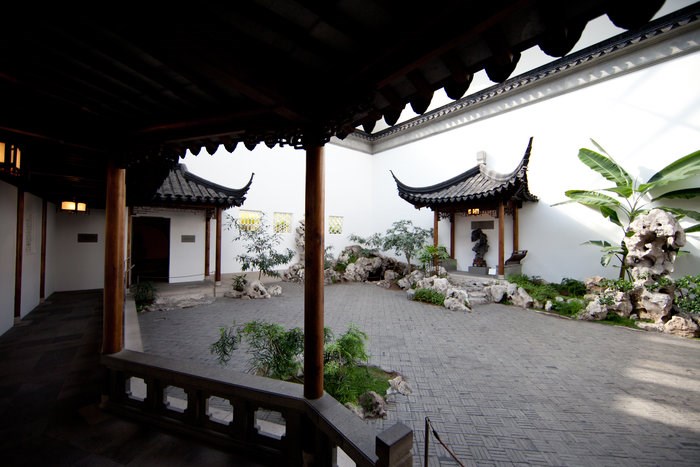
<point>516,233</point>
<point>501,245</point>
<point>217,260</point>
<point>42,273</point>
<point>436,219</point>
<point>129,231</point>
<point>313,273</point>
<point>207,242</point>
<point>113,322</point>
<point>19,244</point>
<point>452,235</point>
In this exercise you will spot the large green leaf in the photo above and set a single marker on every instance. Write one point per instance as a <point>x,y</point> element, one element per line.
<point>608,168</point>
<point>693,229</point>
<point>593,199</point>
<point>688,193</point>
<point>676,171</point>
<point>610,214</point>
<point>681,213</point>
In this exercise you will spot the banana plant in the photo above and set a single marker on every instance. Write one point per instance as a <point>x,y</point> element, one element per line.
<point>623,203</point>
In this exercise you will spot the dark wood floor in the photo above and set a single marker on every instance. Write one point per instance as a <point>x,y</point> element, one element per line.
<point>50,386</point>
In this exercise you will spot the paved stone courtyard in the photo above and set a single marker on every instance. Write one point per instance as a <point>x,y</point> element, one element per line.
<point>501,385</point>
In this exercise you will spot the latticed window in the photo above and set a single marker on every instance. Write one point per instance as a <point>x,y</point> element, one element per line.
<point>249,220</point>
<point>335,225</point>
<point>282,222</point>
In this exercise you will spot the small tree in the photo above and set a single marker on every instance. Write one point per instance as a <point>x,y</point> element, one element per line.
<point>403,237</point>
<point>622,203</point>
<point>260,246</point>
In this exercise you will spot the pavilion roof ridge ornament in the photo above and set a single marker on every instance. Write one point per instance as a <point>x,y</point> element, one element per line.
<point>477,187</point>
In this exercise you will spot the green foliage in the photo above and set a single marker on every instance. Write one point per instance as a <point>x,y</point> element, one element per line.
<point>340,266</point>
<point>328,257</point>
<point>568,308</point>
<point>571,287</point>
<point>619,285</point>
<point>688,294</point>
<point>260,246</point>
<point>402,237</point>
<point>276,353</point>
<point>543,292</point>
<point>429,296</point>
<point>227,343</point>
<point>430,254</point>
<point>144,294</point>
<point>348,349</point>
<point>349,383</point>
<point>623,203</point>
<point>239,282</point>
<point>274,350</point>
<point>606,299</point>
<point>617,320</point>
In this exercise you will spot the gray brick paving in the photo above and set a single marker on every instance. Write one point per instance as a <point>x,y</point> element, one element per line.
<point>502,385</point>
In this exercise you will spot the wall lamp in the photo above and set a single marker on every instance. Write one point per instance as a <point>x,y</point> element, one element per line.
<point>10,158</point>
<point>73,206</point>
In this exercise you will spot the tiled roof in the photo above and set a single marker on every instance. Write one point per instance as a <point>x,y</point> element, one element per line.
<point>477,187</point>
<point>184,188</point>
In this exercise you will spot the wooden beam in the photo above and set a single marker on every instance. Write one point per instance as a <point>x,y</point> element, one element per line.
<point>19,243</point>
<point>207,242</point>
<point>516,228</point>
<point>217,260</point>
<point>42,273</point>
<point>501,244</point>
<point>113,322</point>
<point>452,235</point>
<point>313,273</point>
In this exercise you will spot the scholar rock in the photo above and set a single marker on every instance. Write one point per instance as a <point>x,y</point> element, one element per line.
<point>496,292</point>
<point>390,275</point>
<point>373,405</point>
<point>454,304</point>
<point>594,312</point>
<point>522,299</point>
<point>274,290</point>
<point>682,325</point>
<point>654,305</point>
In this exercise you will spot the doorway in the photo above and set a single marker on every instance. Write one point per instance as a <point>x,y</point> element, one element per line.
<point>150,249</point>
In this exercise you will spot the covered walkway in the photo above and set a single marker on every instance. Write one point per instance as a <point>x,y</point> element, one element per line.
<point>50,392</point>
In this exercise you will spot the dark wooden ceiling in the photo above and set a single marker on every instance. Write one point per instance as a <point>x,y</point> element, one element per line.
<point>141,86</point>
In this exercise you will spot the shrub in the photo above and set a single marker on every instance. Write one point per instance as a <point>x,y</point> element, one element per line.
<point>274,350</point>
<point>688,294</point>
<point>542,292</point>
<point>572,287</point>
<point>569,308</point>
<point>227,343</point>
<point>144,294</point>
<point>429,296</point>
<point>239,282</point>
<point>620,285</point>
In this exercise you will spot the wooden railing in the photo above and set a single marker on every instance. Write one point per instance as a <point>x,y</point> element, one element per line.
<point>303,431</point>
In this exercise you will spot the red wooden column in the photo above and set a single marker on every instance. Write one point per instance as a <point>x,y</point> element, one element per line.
<point>42,273</point>
<point>113,322</point>
<point>19,244</point>
<point>217,273</point>
<point>501,244</point>
<point>207,241</point>
<point>516,227</point>
<point>313,273</point>
<point>436,220</point>
<point>452,235</point>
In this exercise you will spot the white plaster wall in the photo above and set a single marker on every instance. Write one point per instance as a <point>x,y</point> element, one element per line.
<point>77,266</point>
<point>51,249</point>
<point>31,254</point>
<point>645,119</point>
<point>8,214</point>
<point>186,259</point>
<point>278,186</point>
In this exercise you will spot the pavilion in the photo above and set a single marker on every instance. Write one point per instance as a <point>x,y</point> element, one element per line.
<point>477,191</point>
